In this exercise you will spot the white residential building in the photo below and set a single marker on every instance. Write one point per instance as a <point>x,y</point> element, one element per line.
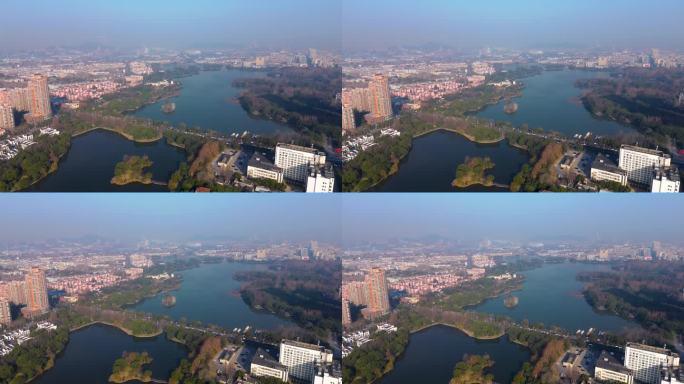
<point>295,160</point>
<point>665,179</point>
<point>321,179</point>
<point>646,361</point>
<point>639,163</point>
<point>300,358</point>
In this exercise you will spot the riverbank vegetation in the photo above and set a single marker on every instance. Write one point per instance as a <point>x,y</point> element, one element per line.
<point>132,170</point>
<point>131,292</point>
<point>472,370</point>
<point>33,163</point>
<point>197,371</point>
<point>646,292</point>
<point>540,173</point>
<point>375,358</point>
<point>131,366</point>
<point>302,98</point>
<point>472,172</point>
<point>374,165</point>
<point>33,357</point>
<point>545,352</point>
<point>646,99</point>
<point>300,291</point>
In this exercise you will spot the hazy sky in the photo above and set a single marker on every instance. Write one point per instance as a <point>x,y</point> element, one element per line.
<point>513,23</point>
<point>518,217</point>
<point>181,217</point>
<point>170,23</point>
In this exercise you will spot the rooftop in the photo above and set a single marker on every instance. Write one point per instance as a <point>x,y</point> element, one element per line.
<point>298,148</point>
<point>300,344</point>
<point>609,362</point>
<point>671,173</point>
<point>605,164</point>
<point>260,161</point>
<point>649,348</point>
<point>647,151</point>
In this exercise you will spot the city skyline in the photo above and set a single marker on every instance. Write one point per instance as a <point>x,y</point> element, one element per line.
<point>526,24</point>
<point>178,218</point>
<point>199,24</point>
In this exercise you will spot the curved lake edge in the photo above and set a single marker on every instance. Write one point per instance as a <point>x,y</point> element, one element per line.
<point>452,327</point>
<point>55,166</point>
<point>119,328</point>
<point>396,167</point>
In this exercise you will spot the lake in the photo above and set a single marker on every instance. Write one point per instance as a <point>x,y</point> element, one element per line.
<point>91,352</point>
<point>209,294</point>
<point>208,101</point>
<point>89,164</point>
<point>552,102</point>
<point>552,295</point>
<point>432,354</point>
<point>431,164</point>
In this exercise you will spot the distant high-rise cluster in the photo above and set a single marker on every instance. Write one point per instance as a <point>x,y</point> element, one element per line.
<point>34,99</point>
<point>371,293</point>
<point>31,292</point>
<point>376,99</point>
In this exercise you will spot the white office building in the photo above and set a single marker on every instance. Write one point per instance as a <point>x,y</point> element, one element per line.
<point>301,359</point>
<point>295,160</point>
<point>321,179</point>
<point>646,361</point>
<point>640,162</point>
<point>665,180</point>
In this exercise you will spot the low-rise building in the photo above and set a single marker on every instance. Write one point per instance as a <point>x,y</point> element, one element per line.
<point>264,365</point>
<point>608,368</point>
<point>603,169</point>
<point>259,167</point>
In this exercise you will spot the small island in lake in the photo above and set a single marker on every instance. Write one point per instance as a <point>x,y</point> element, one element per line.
<point>132,170</point>
<point>130,367</point>
<point>473,172</point>
<point>511,108</point>
<point>169,300</point>
<point>168,107</point>
<point>511,301</point>
<point>472,370</point>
